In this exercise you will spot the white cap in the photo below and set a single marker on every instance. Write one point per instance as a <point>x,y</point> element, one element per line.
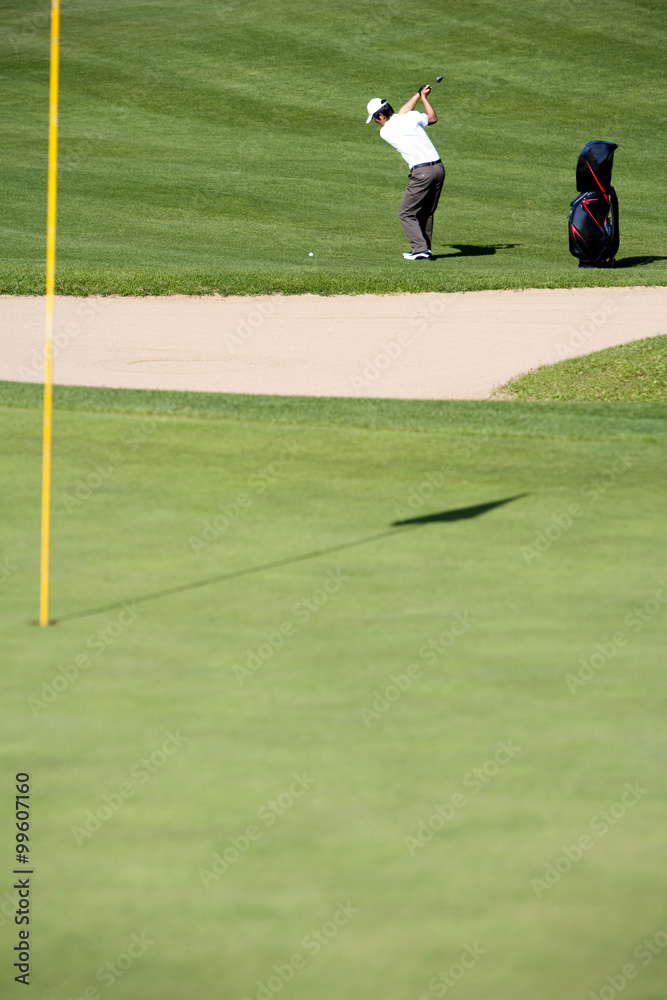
<point>374,106</point>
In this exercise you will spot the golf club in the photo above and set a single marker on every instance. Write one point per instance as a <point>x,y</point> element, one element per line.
<point>438,79</point>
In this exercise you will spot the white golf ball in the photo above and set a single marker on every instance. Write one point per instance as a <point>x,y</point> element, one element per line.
<point>311,254</point>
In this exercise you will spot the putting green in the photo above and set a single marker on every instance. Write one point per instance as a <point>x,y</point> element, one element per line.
<point>211,146</point>
<point>489,681</point>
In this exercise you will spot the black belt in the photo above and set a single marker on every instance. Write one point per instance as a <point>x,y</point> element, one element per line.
<point>431,163</point>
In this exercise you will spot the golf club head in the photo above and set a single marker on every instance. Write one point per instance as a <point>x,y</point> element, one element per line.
<point>438,79</point>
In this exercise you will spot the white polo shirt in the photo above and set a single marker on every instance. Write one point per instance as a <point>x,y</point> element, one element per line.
<point>406,134</point>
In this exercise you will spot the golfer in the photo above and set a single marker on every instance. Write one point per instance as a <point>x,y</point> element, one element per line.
<point>404,130</point>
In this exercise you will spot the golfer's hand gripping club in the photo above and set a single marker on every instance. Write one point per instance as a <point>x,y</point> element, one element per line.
<point>429,86</point>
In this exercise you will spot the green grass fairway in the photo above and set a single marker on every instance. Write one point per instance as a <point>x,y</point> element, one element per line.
<point>632,371</point>
<point>541,700</point>
<point>209,145</point>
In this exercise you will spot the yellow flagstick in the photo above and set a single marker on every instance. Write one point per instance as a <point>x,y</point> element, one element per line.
<point>50,287</point>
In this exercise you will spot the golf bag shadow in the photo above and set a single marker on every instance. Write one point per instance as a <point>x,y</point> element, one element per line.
<point>593,219</point>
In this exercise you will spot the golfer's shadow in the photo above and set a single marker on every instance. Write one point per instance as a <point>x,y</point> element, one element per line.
<point>471,250</point>
<point>459,514</point>
<point>638,261</point>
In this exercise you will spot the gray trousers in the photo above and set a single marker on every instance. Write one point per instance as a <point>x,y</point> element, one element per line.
<point>419,204</point>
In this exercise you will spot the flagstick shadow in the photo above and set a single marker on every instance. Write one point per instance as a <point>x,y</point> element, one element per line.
<point>460,514</point>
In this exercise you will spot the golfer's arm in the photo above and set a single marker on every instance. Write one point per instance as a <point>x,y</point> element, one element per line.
<point>409,105</point>
<point>432,117</point>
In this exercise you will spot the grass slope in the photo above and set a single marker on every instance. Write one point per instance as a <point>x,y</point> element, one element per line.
<point>137,490</point>
<point>636,371</point>
<point>210,146</point>
<point>577,420</point>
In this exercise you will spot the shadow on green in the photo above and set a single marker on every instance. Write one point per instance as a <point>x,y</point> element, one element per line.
<point>460,514</point>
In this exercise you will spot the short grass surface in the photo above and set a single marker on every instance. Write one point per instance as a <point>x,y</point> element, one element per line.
<point>172,493</point>
<point>209,145</point>
<point>635,371</point>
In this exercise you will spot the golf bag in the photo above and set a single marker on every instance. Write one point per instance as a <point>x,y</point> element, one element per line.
<point>593,219</point>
